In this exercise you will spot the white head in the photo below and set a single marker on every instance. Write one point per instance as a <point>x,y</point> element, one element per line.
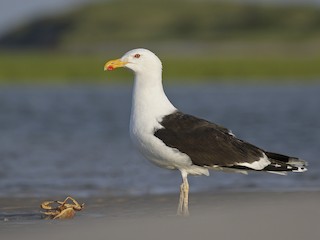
<point>139,60</point>
<point>149,101</point>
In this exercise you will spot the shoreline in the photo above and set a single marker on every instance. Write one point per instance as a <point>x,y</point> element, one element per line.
<point>241,215</point>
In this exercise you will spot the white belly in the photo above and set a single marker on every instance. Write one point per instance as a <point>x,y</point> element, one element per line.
<point>157,152</point>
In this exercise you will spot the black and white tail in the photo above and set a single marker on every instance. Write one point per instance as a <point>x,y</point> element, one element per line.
<point>281,164</point>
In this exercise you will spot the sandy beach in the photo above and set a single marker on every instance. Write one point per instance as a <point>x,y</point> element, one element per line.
<point>246,215</point>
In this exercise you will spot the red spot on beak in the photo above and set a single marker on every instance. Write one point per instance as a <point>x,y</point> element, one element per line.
<point>110,68</point>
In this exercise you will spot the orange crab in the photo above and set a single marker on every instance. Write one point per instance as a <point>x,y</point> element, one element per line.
<point>61,209</point>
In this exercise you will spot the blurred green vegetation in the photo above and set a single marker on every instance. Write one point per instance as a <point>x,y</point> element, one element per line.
<point>159,20</point>
<point>48,67</point>
<point>61,68</point>
<point>205,40</point>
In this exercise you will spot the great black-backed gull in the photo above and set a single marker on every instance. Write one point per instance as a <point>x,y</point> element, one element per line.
<point>174,140</point>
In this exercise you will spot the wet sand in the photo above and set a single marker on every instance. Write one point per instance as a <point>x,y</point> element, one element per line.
<point>247,215</point>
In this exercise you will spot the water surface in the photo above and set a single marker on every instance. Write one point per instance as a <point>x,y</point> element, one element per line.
<point>75,141</point>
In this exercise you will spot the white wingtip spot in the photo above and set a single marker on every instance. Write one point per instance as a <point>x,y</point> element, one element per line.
<point>300,169</point>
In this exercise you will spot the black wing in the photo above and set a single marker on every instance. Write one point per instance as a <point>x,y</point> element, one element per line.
<point>206,143</point>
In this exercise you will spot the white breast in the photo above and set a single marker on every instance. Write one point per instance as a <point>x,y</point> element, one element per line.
<point>149,106</point>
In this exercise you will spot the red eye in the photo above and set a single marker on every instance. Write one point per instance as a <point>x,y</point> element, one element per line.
<point>137,55</point>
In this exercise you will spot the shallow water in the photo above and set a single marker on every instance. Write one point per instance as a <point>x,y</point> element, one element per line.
<point>75,141</point>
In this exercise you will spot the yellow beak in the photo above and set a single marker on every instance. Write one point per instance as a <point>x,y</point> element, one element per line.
<point>112,64</point>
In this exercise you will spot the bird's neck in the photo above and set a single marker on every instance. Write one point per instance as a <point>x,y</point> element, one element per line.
<point>149,102</point>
